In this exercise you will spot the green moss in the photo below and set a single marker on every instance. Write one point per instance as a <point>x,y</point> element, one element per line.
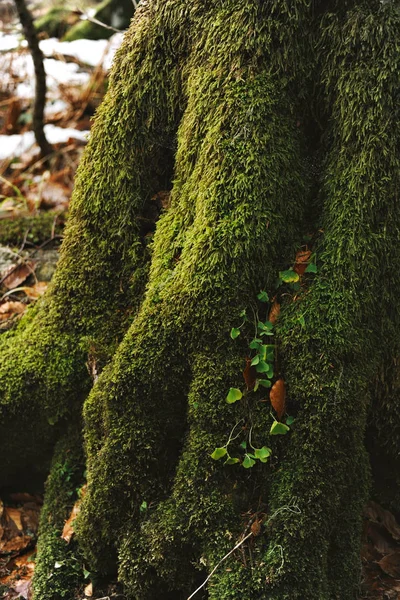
<point>55,22</point>
<point>35,230</point>
<point>59,565</point>
<point>114,13</point>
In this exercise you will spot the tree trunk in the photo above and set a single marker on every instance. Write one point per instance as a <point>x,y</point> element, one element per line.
<point>274,126</point>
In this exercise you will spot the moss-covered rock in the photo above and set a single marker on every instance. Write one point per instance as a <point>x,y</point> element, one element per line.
<point>116,14</point>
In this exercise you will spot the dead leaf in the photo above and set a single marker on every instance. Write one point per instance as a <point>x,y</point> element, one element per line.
<point>35,291</point>
<point>249,374</point>
<point>390,564</point>
<point>8,309</point>
<point>68,531</point>
<point>277,397</point>
<point>302,258</point>
<point>380,538</point>
<point>274,312</point>
<point>89,590</point>
<point>17,274</point>
<point>374,512</point>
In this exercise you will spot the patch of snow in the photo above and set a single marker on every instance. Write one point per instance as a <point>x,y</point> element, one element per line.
<point>15,145</point>
<point>54,107</point>
<point>11,41</point>
<point>89,52</point>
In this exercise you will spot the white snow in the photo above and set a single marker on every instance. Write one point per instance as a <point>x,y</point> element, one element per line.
<point>16,64</point>
<point>15,145</point>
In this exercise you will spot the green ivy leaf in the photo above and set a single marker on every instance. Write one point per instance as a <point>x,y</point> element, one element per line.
<point>263,367</point>
<point>231,461</point>
<point>311,268</point>
<point>143,506</point>
<point>235,332</point>
<point>219,453</point>
<point>267,326</point>
<point>263,452</point>
<point>256,385</point>
<point>278,428</point>
<point>289,420</point>
<point>243,445</point>
<point>248,462</point>
<point>255,360</point>
<point>255,344</point>
<point>263,296</point>
<point>289,276</point>
<point>234,395</point>
<point>264,382</point>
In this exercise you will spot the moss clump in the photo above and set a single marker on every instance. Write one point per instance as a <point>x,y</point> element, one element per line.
<point>59,569</point>
<point>35,230</point>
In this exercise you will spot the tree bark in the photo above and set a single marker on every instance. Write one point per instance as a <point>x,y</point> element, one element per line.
<point>269,122</point>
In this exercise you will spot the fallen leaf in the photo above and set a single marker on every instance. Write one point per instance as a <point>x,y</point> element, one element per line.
<point>374,512</point>
<point>35,291</point>
<point>17,274</point>
<point>274,312</point>
<point>390,564</point>
<point>8,309</point>
<point>277,397</point>
<point>249,374</point>
<point>89,590</point>
<point>68,530</point>
<point>302,258</point>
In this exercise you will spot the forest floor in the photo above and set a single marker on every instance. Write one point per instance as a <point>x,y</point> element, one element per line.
<point>34,199</point>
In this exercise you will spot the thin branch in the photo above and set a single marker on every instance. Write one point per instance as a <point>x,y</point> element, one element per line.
<point>40,92</point>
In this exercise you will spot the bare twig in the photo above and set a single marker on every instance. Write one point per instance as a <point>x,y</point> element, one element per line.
<point>40,94</point>
<point>219,563</point>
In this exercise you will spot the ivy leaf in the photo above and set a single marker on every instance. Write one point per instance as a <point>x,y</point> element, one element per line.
<point>278,428</point>
<point>264,382</point>
<point>143,506</point>
<point>267,326</point>
<point>234,395</point>
<point>235,332</point>
<point>248,462</point>
<point>263,351</point>
<point>263,296</point>
<point>256,385</point>
<point>255,344</point>
<point>243,445</point>
<point>243,313</point>
<point>312,268</point>
<point>263,452</point>
<point>255,360</point>
<point>231,461</point>
<point>219,453</point>
<point>289,276</point>
<point>263,367</point>
<point>289,420</point>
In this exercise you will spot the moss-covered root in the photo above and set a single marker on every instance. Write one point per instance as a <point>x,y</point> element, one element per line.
<point>59,565</point>
<point>100,275</point>
<point>233,217</point>
<point>331,361</point>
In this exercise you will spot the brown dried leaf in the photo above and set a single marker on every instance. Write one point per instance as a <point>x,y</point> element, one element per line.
<point>35,291</point>
<point>249,374</point>
<point>302,258</point>
<point>374,512</point>
<point>274,312</point>
<point>380,538</point>
<point>68,531</point>
<point>89,590</point>
<point>390,564</point>
<point>277,396</point>
<point>8,309</point>
<point>18,274</point>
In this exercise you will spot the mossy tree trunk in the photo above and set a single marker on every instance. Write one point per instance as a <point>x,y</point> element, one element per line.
<point>268,121</point>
